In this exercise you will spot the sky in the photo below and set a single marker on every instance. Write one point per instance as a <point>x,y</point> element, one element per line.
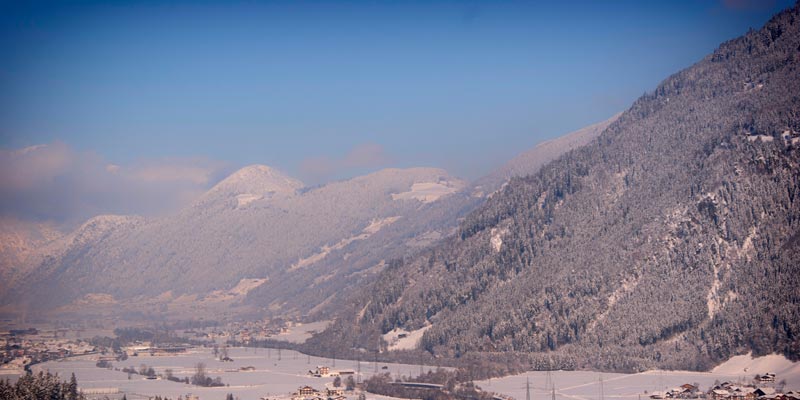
<point>137,107</point>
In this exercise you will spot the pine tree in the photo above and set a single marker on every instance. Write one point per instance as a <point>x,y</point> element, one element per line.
<point>72,388</point>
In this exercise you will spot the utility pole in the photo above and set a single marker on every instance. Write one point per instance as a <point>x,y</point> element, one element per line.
<point>358,375</point>
<point>377,350</point>
<point>601,387</point>
<point>527,388</point>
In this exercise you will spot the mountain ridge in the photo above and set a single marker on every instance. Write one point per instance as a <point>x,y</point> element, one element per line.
<point>670,241</point>
<point>234,215</point>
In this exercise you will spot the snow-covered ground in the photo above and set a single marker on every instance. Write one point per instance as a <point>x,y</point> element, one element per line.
<point>277,375</point>
<point>428,192</point>
<point>374,226</point>
<point>299,333</point>
<point>273,376</point>
<point>749,366</point>
<point>583,385</point>
<point>400,339</point>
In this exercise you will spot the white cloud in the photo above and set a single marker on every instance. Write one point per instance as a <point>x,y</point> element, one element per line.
<point>363,156</point>
<point>55,182</point>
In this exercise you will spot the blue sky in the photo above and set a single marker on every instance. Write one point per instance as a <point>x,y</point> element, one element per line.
<point>463,85</point>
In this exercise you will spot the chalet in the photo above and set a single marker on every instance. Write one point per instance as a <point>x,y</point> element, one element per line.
<point>320,371</point>
<point>307,391</point>
<point>720,394</point>
<point>765,391</point>
<point>676,393</point>
<point>743,393</point>
<point>766,378</point>
<point>334,392</point>
<point>775,396</point>
<point>687,387</point>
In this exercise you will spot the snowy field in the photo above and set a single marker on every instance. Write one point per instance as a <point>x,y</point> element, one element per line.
<point>299,333</point>
<point>272,376</point>
<point>582,385</point>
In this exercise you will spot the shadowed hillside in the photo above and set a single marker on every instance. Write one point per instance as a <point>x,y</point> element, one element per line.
<point>672,240</point>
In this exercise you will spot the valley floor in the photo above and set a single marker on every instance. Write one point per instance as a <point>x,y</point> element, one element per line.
<point>271,377</point>
<point>585,385</point>
<point>257,372</point>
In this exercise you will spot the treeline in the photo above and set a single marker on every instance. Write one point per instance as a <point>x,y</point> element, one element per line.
<point>451,387</point>
<point>41,386</point>
<point>47,386</point>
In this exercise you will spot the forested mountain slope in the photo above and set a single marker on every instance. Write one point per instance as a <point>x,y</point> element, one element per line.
<point>320,288</point>
<point>672,240</point>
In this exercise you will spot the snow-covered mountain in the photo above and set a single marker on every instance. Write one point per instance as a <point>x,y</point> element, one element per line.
<point>251,183</point>
<point>298,250</point>
<point>254,224</point>
<point>672,240</point>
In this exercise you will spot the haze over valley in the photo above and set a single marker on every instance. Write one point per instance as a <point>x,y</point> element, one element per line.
<point>550,223</point>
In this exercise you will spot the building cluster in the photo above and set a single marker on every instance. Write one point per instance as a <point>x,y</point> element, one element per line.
<point>762,388</point>
<point>21,348</point>
<point>309,393</point>
<point>321,371</point>
<point>143,347</point>
<point>685,391</point>
<point>245,332</point>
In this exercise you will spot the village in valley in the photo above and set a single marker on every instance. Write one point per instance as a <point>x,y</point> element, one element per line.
<point>762,387</point>
<point>199,361</point>
<point>21,348</point>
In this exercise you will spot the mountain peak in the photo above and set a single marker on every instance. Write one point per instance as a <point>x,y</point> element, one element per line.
<point>257,180</point>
